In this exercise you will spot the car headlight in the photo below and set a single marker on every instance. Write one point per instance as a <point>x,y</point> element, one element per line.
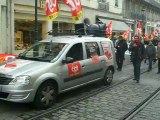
<point>21,80</point>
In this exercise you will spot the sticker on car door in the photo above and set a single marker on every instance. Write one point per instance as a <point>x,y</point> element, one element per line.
<point>107,50</point>
<point>74,69</point>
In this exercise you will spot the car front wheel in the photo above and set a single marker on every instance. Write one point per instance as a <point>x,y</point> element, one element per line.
<point>45,96</point>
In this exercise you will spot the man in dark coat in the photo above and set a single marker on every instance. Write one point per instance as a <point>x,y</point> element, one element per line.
<point>121,47</point>
<point>155,41</point>
<point>138,52</point>
<point>151,54</point>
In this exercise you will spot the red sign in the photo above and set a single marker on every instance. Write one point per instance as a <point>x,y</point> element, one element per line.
<point>74,69</point>
<point>5,57</point>
<point>10,65</point>
<point>95,59</point>
<point>76,8</point>
<point>51,9</point>
<point>108,55</point>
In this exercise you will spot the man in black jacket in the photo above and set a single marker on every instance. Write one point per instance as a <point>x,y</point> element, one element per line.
<point>138,52</point>
<point>121,47</point>
<point>151,54</point>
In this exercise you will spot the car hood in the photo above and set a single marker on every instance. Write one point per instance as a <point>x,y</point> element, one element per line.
<point>21,67</point>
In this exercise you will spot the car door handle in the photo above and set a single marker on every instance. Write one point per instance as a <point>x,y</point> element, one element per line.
<point>83,66</point>
<point>102,60</point>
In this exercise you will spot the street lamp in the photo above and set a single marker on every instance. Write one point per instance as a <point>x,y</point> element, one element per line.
<point>36,24</point>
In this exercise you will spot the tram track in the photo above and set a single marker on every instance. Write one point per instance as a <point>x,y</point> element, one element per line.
<point>80,98</point>
<point>141,105</point>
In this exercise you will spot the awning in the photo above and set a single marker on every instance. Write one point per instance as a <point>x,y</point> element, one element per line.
<point>117,26</point>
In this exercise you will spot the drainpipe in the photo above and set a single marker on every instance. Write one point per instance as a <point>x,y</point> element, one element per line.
<point>36,24</point>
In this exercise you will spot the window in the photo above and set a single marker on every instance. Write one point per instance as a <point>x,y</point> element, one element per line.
<point>116,3</point>
<point>76,52</point>
<point>43,51</point>
<point>92,49</point>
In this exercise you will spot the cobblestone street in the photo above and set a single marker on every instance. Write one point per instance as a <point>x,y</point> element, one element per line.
<point>111,104</point>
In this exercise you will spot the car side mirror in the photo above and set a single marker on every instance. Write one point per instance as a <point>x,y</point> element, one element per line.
<point>20,54</point>
<point>68,60</point>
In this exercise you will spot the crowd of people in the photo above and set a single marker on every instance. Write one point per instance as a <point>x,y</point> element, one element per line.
<point>140,49</point>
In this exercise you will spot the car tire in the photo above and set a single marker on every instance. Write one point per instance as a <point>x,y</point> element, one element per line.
<point>108,77</point>
<point>45,96</point>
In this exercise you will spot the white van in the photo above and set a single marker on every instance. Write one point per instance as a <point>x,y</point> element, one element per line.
<point>56,65</point>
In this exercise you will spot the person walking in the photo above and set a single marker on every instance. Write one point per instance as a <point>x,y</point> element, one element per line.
<point>138,52</point>
<point>158,57</point>
<point>121,46</point>
<point>151,54</point>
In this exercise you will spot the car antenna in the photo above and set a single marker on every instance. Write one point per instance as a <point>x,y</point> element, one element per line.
<point>50,45</point>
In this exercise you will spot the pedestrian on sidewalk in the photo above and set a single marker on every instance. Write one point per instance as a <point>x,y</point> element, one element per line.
<point>151,54</point>
<point>121,47</point>
<point>138,52</point>
<point>158,57</point>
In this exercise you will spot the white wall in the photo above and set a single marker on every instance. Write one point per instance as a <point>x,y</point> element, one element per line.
<point>3,27</point>
<point>112,7</point>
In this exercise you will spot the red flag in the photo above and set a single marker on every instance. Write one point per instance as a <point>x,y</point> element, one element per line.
<point>76,8</point>
<point>140,27</point>
<point>155,32</point>
<point>126,34</point>
<point>109,29</point>
<point>146,38</point>
<point>51,9</point>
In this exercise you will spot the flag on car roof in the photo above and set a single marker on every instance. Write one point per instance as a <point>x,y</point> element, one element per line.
<point>76,8</point>
<point>51,9</point>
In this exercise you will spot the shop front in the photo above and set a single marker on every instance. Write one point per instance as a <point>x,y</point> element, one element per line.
<point>24,24</point>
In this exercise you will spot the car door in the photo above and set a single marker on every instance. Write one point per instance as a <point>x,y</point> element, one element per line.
<point>94,61</point>
<point>73,72</point>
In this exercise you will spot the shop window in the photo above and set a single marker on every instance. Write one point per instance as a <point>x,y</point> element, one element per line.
<point>19,40</point>
<point>116,3</point>
<point>76,52</point>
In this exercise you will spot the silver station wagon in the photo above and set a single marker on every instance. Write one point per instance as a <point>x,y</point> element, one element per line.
<point>56,65</point>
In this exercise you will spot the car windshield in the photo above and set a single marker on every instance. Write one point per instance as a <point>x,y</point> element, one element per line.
<point>43,51</point>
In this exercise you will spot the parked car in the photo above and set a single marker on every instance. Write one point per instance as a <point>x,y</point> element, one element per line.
<point>56,65</point>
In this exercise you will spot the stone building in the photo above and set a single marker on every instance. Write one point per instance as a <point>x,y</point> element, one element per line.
<point>21,20</point>
<point>146,11</point>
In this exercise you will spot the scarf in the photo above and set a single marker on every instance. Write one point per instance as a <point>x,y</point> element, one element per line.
<point>137,42</point>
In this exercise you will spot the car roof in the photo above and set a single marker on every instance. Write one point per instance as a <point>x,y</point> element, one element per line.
<point>72,39</point>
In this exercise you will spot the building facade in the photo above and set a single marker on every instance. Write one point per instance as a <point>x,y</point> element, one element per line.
<point>3,26</point>
<point>21,20</point>
<point>146,11</point>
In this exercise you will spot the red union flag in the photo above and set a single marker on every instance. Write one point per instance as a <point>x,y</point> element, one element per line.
<point>126,34</point>
<point>140,27</point>
<point>76,8</point>
<point>146,38</point>
<point>155,32</point>
<point>51,9</point>
<point>109,29</point>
